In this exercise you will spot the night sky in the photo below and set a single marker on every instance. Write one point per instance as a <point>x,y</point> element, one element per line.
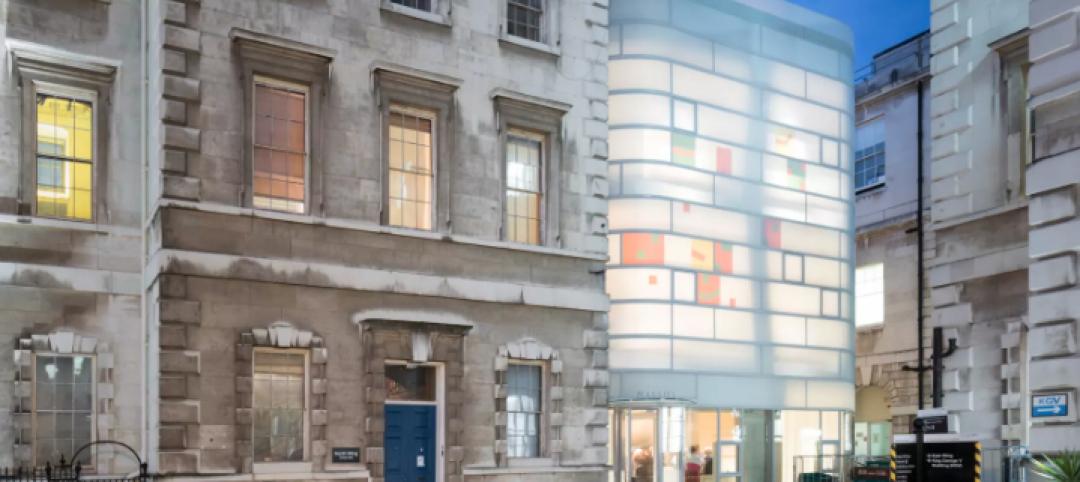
<point>878,24</point>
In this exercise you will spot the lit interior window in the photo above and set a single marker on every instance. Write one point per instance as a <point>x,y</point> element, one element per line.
<point>65,157</point>
<point>870,295</point>
<point>280,148</point>
<point>412,175</point>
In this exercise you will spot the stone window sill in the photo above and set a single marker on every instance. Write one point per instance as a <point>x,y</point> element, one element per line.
<point>529,44</point>
<point>430,17</point>
<point>281,468</point>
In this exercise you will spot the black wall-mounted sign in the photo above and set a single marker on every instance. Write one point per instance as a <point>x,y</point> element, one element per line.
<point>945,461</point>
<point>345,455</point>
<point>934,424</point>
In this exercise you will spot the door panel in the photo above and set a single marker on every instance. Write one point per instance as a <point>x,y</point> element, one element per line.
<point>410,443</point>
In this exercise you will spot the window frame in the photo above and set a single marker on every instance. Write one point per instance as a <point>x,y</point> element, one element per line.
<point>879,162</point>
<point>307,458</point>
<point>93,404</point>
<point>82,94</point>
<point>542,117</point>
<point>287,61</point>
<point>433,117</point>
<point>542,138</point>
<point>545,402</point>
<point>439,13</point>
<point>419,90</point>
<point>274,82</point>
<point>549,42</point>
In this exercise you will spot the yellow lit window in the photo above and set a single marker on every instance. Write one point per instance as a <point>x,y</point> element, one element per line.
<point>280,167</point>
<point>412,174</point>
<point>65,157</point>
<point>524,153</point>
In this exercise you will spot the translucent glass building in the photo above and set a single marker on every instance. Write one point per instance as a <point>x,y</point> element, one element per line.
<point>731,334</point>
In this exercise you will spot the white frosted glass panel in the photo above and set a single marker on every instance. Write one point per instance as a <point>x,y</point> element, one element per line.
<point>668,181</point>
<point>684,116</point>
<point>639,109</point>
<point>734,325</point>
<point>639,214</point>
<point>733,193</point>
<point>640,319</point>
<point>708,22</point>
<point>797,113</point>
<point>692,321</point>
<point>830,152</point>
<point>788,298</point>
<point>782,77</point>
<point>794,395</point>
<point>820,394</point>
<point>845,127</point>
<point>805,362</point>
<point>712,223</point>
<point>793,268</point>
<point>713,356</point>
<point>845,187</point>
<point>828,333</point>
<point>614,179</point>
<point>830,303</point>
<point>774,170</point>
<point>665,42</point>
<point>722,125</point>
<point>827,212</point>
<point>639,74</point>
<point>788,330</point>
<point>737,292</point>
<point>845,156</point>
<point>792,143</point>
<point>634,144</point>
<point>822,272</point>
<point>810,240</point>
<point>614,249</point>
<point>845,305</point>
<point>727,160</point>
<point>774,265</point>
<point>639,284</point>
<point>797,51</point>
<point>733,63</point>
<point>742,260</point>
<point>827,91</point>
<point>714,90</point>
<point>782,203</point>
<point>639,353</point>
<point>822,180</point>
<point>684,286</point>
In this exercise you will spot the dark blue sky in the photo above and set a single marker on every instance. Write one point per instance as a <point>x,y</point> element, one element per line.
<point>878,24</point>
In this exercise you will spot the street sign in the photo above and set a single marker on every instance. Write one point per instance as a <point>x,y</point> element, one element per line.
<point>345,455</point>
<point>945,461</point>
<point>1050,405</point>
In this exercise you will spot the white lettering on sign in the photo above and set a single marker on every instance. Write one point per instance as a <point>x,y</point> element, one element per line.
<point>420,461</point>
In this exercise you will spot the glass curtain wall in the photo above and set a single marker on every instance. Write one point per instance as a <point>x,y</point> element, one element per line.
<point>730,216</point>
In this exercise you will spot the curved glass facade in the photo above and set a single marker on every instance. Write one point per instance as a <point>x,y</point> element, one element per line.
<point>730,270</point>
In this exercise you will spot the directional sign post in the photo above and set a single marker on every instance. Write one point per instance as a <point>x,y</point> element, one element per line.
<point>1052,406</point>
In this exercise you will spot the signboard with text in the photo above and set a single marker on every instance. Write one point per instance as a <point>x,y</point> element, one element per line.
<point>945,461</point>
<point>1052,407</point>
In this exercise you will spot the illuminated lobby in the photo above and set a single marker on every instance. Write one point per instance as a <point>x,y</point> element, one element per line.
<point>731,241</point>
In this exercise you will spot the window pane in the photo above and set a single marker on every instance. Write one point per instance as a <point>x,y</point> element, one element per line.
<point>523,188</point>
<point>642,462</point>
<point>280,151</point>
<point>63,406</point>
<point>65,149</point>
<point>278,405</point>
<point>410,384</point>
<point>523,18</point>
<point>411,174</point>
<point>524,386</point>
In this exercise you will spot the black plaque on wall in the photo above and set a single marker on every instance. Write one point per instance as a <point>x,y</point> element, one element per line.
<point>345,455</point>
<point>945,461</point>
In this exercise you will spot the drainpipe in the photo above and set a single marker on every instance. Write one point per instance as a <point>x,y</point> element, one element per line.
<point>144,437</point>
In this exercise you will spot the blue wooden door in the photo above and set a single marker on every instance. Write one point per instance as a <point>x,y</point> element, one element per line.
<point>410,443</point>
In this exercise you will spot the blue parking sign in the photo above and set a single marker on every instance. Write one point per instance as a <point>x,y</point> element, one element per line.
<point>1050,405</point>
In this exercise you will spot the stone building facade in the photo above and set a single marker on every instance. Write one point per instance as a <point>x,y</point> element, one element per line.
<point>301,244</point>
<point>886,246</point>
<point>1052,178</point>
<point>979,255</point>
<point>70,263</point>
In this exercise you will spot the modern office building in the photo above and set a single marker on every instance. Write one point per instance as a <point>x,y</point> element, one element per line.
<point>731,240</point>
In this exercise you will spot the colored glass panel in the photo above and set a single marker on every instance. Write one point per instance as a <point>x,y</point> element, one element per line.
<point>643,248</point>
<point>723,160</point>
<point>772,233</point>
<point>708,289</point>
<point>701,254</point>
<point>796,172</point>
<point>682,149</point>
<point>725,257</point>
